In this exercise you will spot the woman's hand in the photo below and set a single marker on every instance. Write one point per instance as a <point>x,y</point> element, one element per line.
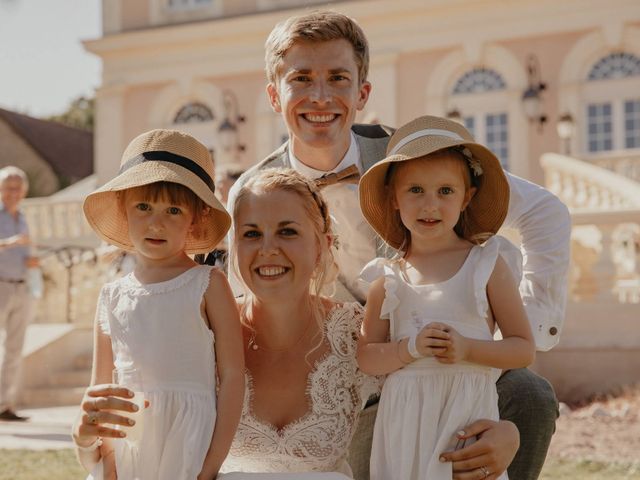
<point>496,445</point>
<point>99,406</point>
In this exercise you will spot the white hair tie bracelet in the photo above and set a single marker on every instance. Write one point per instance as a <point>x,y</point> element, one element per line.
<point>412,348</point>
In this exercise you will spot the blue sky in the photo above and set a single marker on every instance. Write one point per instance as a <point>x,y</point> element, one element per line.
<point>43,65</point>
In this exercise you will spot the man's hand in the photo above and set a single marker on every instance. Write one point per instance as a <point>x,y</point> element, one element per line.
<point>32,262</point>
<point>15,240</point>
<point>496,445</point>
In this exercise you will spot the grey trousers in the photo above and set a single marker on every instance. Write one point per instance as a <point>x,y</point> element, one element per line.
<point>16,307</point>
<point>528,400</point>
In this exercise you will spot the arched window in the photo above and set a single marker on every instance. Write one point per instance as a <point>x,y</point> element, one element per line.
<point>480,95</point>
<point>188,4</point>
<point>194,113</point>
<point>479,80</point>
<point>615,65</point>
<point>613,103</point>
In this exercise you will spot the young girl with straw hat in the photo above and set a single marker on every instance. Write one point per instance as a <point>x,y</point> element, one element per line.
<point>161,320</point>
<point>438,198</point>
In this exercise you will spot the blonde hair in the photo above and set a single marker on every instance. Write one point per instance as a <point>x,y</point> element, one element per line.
<point>319,26</point>
<point>393,220</point>
<point>288,180</point>
<point>174,193</point>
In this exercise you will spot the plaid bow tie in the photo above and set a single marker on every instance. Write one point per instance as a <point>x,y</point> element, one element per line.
<point>348,175</point>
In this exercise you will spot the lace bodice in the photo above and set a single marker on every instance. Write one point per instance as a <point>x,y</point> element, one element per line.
<point>320,439</point>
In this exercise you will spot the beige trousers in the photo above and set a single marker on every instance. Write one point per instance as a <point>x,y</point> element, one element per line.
<point>16,307</point>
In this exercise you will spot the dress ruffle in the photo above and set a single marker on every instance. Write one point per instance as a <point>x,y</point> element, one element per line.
<point>381,267</point>
<point>496,245</point>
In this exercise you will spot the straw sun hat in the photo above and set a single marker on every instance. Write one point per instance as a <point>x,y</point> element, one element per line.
<point>423,136</point>
<point>160,156</point>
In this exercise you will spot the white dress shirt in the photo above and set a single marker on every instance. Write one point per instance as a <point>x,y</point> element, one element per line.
<point>544,225</point>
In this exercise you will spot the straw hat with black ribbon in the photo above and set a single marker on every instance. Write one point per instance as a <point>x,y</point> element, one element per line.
<point>419,138</point>
<point>160,156</point>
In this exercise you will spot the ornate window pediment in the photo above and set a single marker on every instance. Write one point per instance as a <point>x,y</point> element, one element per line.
<point>479,80</point>
<point>615,65</point>
<point>188,4</point>
<point>194,113</point>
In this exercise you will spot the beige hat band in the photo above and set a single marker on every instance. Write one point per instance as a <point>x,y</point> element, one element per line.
<point>163,156</point>
<point>424,133</point>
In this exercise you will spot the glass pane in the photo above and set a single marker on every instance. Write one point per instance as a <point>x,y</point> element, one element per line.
<point>632,124</point>
<point>497,137</point>
<point>599,127</point>
<point>470,124</point>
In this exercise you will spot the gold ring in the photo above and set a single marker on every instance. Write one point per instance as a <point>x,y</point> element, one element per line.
<point>92,417</point>
<point>485,471</point>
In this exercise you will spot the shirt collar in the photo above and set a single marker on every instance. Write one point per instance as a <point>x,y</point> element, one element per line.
<point>352,157</point>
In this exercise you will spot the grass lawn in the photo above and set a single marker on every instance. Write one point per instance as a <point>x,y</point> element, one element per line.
<point>588,470</point>
<point>62,465</point>
<point>40,465</point>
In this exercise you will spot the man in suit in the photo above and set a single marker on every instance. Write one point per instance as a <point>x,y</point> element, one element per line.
<point>317,67</point>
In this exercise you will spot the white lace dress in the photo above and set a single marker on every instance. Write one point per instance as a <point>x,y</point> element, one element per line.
<point>158,329</point>
<point>425,403</point>
<point>318,441</point>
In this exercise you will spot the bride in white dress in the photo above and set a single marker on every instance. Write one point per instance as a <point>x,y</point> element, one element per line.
<point>304,391</point>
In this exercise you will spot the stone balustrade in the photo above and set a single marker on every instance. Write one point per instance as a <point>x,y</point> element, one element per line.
<point>585,186</point>
<point>605,257</point>
<point>599,349</point>
<point>625,165</point>
<point>57,223</point>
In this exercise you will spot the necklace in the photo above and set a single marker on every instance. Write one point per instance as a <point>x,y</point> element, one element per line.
<point>253,345</point>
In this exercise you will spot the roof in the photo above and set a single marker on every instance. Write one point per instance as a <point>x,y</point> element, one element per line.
<point>68,150</point>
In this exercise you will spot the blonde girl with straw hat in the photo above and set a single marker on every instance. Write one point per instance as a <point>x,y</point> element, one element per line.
<point>157,326</point>
<point>438,198</point>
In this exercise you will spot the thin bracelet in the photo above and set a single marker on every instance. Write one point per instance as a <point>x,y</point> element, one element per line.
<point>398,353</point>
<point>91,448</point>
<point>412,347</point>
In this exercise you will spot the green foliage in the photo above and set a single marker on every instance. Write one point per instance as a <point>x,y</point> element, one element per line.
<point>79,114</point>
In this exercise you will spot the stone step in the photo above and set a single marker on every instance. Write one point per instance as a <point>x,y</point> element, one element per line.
<point>83,361</point>
<point>51,396</point>
<point>71,378</point>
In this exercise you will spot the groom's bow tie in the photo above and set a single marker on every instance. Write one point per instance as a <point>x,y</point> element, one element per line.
<point>348,175</point>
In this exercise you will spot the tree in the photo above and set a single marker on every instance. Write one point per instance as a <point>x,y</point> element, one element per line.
<point>79,114</point>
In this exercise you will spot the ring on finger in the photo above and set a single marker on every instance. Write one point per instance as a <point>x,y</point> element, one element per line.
<point>92,417</point>
<point>485,472</point>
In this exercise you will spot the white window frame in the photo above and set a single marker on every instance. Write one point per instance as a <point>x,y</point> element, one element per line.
<point>188,5</point>
<point>478,106</point>
<point>162,13</point>
<point>616,92</point>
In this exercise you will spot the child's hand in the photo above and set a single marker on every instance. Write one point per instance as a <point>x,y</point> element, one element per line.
<point>456,350</point>
<point>433,340</point>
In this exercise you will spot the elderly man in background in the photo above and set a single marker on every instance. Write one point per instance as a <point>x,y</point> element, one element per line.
<point>16,304</point>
